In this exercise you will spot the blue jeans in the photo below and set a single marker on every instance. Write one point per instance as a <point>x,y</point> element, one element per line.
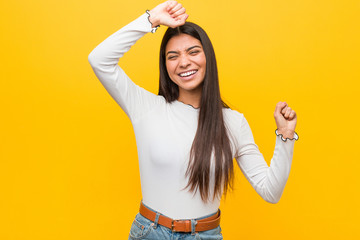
<point>143,228</point>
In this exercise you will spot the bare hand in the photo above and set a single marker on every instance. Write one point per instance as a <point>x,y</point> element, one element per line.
<point>169,13</point>
<point>285,119</point>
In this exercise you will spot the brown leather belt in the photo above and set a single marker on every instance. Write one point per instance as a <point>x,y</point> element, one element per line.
<point>182,225</point>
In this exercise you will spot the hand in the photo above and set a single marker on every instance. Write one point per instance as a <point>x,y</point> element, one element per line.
<point>169,13</point>
<point>285,119</point>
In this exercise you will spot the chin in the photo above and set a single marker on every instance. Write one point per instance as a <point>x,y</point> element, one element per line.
<point>190,88</point>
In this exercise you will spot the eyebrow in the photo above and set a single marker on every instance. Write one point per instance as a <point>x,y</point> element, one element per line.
<point>196,46</point>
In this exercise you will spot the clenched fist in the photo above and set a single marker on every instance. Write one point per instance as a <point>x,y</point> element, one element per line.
<point>169,13</point>
<point>285,119</point>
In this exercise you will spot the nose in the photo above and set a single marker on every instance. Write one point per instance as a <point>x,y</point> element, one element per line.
<point>184,62</point>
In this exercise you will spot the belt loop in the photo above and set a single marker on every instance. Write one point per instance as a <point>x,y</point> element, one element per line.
<point>156,220</point>
<point>193,224</point>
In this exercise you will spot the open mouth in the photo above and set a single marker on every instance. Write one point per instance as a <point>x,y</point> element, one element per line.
<point>188,73</point>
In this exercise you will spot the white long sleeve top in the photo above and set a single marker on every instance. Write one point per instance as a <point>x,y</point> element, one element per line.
<point>165,131</point>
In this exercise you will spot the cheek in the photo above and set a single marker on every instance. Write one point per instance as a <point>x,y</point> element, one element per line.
<point>170,68</point>
<point>201,60</point>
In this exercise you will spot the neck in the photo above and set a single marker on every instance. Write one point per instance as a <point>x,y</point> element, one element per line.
<point>190,97</point>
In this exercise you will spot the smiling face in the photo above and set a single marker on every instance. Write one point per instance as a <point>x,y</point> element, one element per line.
<point>186,63</point>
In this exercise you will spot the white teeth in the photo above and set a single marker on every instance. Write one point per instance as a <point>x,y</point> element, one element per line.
<point>187,73</point>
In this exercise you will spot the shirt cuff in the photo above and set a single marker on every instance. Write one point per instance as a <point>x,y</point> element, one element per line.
<point>296,136</point>
<point>153,29</point>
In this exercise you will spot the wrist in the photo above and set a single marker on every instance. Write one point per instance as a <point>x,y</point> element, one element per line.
<point>286,133</point>
<point>154,20</point>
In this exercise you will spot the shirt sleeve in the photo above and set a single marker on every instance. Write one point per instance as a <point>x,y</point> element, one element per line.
<point>134,100</point>
<point>268,182</point>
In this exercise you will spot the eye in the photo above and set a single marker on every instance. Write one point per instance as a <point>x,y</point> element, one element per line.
<point>171,57</point>
<point>194,52</point>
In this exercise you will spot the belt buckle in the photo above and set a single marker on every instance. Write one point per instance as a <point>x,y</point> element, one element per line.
<point>182,228</point>
<point>172,225</point>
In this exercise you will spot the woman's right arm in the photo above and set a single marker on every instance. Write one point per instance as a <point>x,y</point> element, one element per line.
<point>104,59</point>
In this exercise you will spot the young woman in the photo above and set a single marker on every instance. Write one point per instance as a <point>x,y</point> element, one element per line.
<point>186,136</point>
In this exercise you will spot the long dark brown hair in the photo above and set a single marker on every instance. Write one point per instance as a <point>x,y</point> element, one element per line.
<point>211,139</point>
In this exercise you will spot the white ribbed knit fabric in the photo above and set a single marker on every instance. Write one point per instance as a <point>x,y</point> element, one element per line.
<point>164,134</point>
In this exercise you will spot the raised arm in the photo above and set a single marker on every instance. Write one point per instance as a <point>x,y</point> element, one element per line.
<point>104,59</point>
<point>269,182</point>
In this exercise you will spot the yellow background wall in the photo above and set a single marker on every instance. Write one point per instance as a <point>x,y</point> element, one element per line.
<point>68,160</point>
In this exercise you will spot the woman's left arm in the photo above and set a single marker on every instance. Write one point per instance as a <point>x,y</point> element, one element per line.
<point>285,119</point>
<point>269,182</point>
